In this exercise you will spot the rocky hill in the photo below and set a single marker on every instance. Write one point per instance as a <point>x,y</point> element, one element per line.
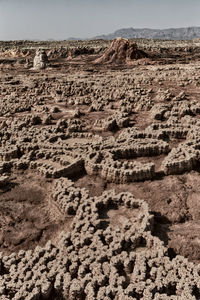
<point>188,33</point>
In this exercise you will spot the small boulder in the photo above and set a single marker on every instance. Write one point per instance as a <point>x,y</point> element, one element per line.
<point>40,60</point>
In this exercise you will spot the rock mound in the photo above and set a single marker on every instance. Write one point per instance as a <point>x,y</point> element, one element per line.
<point>121,51</point>
<point>40,60</point>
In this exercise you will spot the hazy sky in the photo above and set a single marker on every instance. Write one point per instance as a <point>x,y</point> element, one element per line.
<point>61,19</point>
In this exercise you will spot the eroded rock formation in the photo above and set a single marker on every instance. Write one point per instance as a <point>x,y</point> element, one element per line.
<point>40,60</point>
<point>121,51</point>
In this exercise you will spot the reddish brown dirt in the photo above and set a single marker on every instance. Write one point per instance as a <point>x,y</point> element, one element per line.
<point>26,219</point>
<point>94,184</point>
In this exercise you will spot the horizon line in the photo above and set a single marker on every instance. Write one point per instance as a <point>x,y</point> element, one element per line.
<point>96,36</point>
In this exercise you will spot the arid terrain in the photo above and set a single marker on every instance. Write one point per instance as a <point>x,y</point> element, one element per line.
<point>99,170</point>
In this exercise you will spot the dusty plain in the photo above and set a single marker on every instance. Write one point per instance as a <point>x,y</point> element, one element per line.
<point>99,170</point>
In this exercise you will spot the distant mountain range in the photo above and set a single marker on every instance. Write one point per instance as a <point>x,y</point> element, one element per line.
<point>187,33</point>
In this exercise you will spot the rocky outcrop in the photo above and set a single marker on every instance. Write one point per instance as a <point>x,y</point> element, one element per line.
<point>40,60</point>
<point>113,165</point>
<point>183,158</point>
<point>52,169</point>
<point>121,51</point>
<point>67,197</point>
<point>115,171</point>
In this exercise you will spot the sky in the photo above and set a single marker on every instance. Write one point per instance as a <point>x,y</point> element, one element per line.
<point>61,19</point>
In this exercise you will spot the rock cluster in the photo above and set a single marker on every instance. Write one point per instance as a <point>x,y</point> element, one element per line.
<point>112,123</point>
<point>110,253</point>
<point>110,166</point>
<point>103,164</point>
<point>51,169</point>
<point>183,158</point>
<point>67,197</point>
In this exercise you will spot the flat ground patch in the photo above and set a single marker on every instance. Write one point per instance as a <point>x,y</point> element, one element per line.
<point>27,218</point>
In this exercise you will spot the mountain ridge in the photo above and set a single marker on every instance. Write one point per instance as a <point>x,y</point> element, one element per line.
<point>182,33</point>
